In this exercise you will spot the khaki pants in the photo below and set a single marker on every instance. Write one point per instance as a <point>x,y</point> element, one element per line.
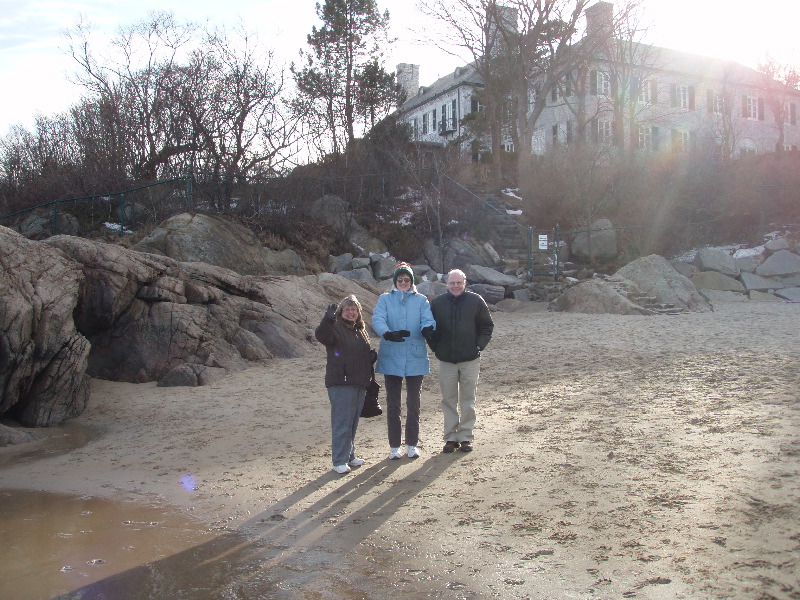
<point>459,384</point>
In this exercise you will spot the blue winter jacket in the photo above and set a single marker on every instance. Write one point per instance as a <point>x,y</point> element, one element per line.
<point>396,311</point>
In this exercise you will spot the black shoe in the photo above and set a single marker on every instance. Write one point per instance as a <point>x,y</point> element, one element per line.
<point>466,447</point>
<point>450,446</point>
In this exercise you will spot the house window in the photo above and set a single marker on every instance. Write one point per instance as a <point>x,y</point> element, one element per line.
<point>454,114</point>
<point>416,127</point>
<point>789,113</point>
<point>443,124</point>
<point>753,108</point>
<point>645,137</point>
<point>554,135</point>
<point>508,146</point>
<point>425,123</point>
<point>680,140</point>
<point>605,132</point>
<point>475,105</point>
<point>434,126</point>
<point>682,96</point>
<point>603,84</point>
<point>645,97</point>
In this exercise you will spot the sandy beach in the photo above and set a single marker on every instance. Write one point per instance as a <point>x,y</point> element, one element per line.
<point>615,457</point>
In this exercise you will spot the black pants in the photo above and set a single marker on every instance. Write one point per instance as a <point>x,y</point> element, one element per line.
<point>394,385</point>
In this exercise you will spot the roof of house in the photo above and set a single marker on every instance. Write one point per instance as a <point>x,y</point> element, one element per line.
<point>466,75</point>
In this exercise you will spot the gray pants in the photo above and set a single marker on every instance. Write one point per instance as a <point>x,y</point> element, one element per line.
<point>394,388</point>
<point>346,404</point>
<point>458,383</point>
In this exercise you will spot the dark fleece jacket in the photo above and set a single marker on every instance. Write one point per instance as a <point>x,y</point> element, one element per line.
<point>464,326</point>
<point>349,353</point>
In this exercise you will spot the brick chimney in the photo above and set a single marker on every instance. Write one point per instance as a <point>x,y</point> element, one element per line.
<point>408,79</point>
<point>600,19</point>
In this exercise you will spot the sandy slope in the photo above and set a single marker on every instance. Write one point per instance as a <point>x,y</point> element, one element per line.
<point>616,456</point>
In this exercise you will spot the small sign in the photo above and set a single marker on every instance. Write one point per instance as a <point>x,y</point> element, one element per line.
<point>543,242</point>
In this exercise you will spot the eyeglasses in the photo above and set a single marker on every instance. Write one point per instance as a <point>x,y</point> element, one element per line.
<point>456,282</point>
<point>403,280</point>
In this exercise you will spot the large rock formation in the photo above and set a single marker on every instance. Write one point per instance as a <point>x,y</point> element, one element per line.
<point>191,237</point>
<point>656,277</point>
<point>147,318</point>
<point>43,357</point>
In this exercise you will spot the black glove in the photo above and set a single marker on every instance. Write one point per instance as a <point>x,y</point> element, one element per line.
<point>373,356</point>
<point>330,313</point>
<point>396,336</point>
<point>428,333</point>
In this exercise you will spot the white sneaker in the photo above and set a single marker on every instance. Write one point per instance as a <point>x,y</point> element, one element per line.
<point>341,469</point>
<point>356,462</point>
<point>395,453</point>
<point>412,452</point>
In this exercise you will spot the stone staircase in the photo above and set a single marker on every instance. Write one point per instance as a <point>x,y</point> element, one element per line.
<point>509,239</point>
<point>649,303</point>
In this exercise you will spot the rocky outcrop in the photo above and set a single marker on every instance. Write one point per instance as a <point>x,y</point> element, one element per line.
<point>43,358</point>
<point>72,308</point>
<point>192,237</point>
<point>596,296</point>
<point>656,277</point>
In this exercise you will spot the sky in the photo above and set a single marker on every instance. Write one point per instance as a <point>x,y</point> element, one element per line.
<point>35,70</point>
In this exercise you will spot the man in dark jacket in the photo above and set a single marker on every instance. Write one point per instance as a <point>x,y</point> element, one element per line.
<point>463,328</point>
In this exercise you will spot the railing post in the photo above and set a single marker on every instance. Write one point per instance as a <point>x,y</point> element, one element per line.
<point>530,254</point>
<point>189,181</point>
<point>557,247</point>
<point>121,214</point>
<point>54,226</point>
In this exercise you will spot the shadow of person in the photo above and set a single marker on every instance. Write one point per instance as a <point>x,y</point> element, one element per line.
<point>301,542</point>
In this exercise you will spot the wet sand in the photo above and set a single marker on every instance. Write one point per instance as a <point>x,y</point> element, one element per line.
<point>615,457</point>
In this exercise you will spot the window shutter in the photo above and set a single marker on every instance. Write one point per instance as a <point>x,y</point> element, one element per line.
<point>691,97</point>
<point>760,109</point>
<point>744,107</point>
<point>655,137</point>
<point>473,104</point>
<point>455,114</point>
<point>673,95</point>
<point>593,83</point>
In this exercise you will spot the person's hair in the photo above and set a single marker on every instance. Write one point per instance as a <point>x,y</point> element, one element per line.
<point>456,272</point>
<point>351,300</point>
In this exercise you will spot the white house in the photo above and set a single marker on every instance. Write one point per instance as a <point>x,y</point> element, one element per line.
<point>630,96</point>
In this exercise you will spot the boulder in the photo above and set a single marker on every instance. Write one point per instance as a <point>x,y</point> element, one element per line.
<point>383,267</point>
<point>751,282</point>
<point>509,305</point>
<point>714,280</point>
<point>791,294</point>
<point>431,289</point>
<point>479,274</point>
<point>749,264</point>
<point>598,244</point>
<point>715,296</point>
<point>684,268</point>
<point>763,297</point>
<point>364,275</point>
<point>773,246</point>
<point>43,357</point>
<point>780,264</point>
<point>343,262</point>
<point>459,253</point>
<point>656,277</point>
<point>719,261</point>
<point>595,296</point>
<point>491,293</point>
<point>38,226</point>
<point>192,237</point>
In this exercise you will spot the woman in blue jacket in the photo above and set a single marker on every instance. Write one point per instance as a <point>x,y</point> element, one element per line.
<point>403,320</point>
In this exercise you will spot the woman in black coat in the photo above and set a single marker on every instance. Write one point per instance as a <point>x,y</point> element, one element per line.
<point>347,373</point>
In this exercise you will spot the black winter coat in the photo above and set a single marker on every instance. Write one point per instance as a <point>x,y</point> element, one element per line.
<point>464,326</point>
<point>349,353</point>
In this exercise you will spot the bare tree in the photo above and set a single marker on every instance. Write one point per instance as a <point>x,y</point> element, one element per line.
<point>779,81</point>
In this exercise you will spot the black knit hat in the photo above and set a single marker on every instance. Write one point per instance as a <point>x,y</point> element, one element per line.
<point>403,268</point>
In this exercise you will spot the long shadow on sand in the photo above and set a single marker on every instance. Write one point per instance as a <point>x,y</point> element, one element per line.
<point>277,556</point>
